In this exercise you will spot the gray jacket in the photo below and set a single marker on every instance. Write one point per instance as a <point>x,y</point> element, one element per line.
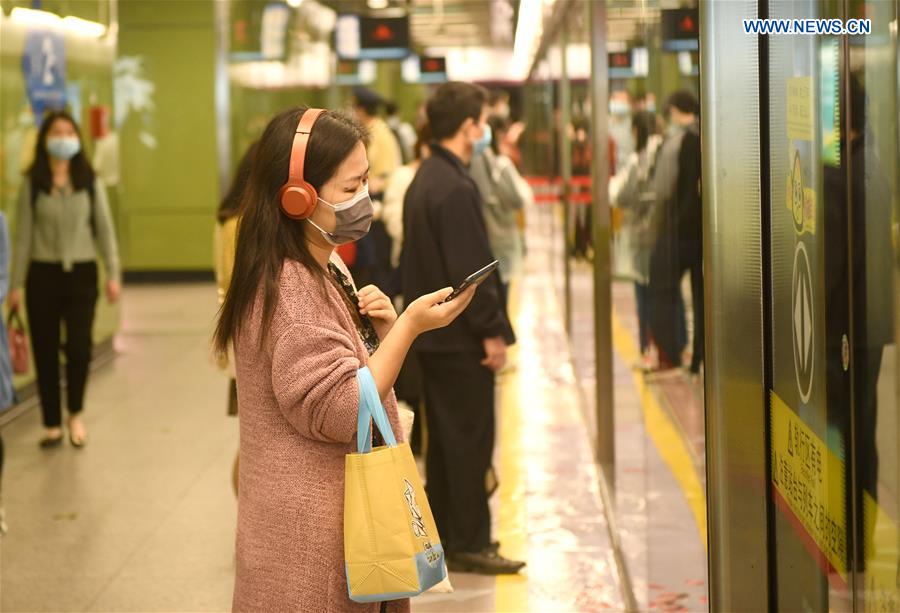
<point>57,229</point>
<point>665,176</point>
<point>634,191</point>
<point>504,193</point>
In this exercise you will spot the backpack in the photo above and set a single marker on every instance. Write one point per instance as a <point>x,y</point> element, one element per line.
<point>645,201</point>
<point>92,195</point>
<point>404,156</point>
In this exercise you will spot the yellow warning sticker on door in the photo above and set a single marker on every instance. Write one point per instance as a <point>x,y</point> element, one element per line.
<point>800,200</point>
<point>882,559</point>
<point>799,108</point>
<point>810,479</point>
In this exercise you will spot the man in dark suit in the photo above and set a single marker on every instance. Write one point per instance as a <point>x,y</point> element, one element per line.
<point>445,240</point>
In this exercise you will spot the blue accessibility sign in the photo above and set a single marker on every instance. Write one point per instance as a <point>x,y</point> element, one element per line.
<point>44,67</point>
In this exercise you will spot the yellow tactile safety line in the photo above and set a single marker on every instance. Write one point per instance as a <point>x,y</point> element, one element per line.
<point>664,433</point>
<point>511,592</point>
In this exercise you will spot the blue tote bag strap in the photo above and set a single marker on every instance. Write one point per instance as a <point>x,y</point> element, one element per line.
<point>371,409</point>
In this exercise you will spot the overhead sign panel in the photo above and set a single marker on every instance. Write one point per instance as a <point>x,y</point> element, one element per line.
<point>425,69</point>
<point>353,72</point>
<point>628,64</point>
<point>680,29</point>
<point>432,69</point>
<point>372,38</point>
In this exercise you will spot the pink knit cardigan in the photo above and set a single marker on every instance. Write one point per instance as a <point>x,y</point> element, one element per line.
<point>298,399</point>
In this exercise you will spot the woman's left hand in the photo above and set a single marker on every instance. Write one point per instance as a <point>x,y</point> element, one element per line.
<point>112,291</point>
<point>374,303</point>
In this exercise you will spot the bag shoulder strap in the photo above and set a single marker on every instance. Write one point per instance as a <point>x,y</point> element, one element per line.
<point>92,199</point>
<point>14,320</point>
<point>371,409</point>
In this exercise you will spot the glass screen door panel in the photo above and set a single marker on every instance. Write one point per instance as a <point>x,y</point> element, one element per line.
<point>874,241</point>
<point>809,438</point>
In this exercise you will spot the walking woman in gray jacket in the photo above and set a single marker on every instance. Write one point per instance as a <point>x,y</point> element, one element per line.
<point>63,217</point>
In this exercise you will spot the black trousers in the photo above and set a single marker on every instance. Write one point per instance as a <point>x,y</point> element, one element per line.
<point>408,389</point>
<point>670,260</point>
<point>868,368</point>
<point>459,410</point>
<point>54,297</point>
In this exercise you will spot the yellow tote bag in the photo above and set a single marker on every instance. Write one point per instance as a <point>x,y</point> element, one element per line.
<point>391,546</point>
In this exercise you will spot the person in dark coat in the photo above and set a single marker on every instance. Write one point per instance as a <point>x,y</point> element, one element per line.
<point>679,244</point>
<point>445,240</point>
<point>858,265</point>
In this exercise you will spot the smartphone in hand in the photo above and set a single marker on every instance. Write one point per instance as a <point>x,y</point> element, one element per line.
<point>474,279</point>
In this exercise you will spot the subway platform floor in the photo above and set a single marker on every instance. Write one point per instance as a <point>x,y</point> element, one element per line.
<point>142,519</point>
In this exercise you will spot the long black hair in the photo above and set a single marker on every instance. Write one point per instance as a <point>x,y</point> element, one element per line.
<point>231,203</point>
<point>499,127</point>
<point>644,125</point>
<point>266,237</point>
<point>81,173</point>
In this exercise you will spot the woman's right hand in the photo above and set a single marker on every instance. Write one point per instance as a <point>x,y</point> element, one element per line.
<point>425,313</point>
<point>14,300</point>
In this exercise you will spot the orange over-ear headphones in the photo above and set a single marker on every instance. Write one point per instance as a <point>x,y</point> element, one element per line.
<point>299,198</point>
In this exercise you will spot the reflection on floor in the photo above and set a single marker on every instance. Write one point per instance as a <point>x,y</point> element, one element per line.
<point>672,439</point>
<point>142,519</point>
<point>549,511</point>
<point>659,481</point>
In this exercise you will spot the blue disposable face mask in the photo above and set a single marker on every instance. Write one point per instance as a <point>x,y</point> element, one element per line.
<point>619,107</point>
<point>479,146</point>
<point>353,218</point>
<point>63,147</point>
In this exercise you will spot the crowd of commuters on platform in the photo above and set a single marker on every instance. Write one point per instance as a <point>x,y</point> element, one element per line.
<point>659,243</point>
<point>401,214</point>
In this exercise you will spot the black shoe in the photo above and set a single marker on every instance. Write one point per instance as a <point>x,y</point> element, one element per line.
<point>486,562</point>
<point>49,442</point>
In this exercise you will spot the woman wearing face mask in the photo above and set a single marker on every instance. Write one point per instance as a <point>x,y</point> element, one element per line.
<point>301,332</point>
<point>63,221</point>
